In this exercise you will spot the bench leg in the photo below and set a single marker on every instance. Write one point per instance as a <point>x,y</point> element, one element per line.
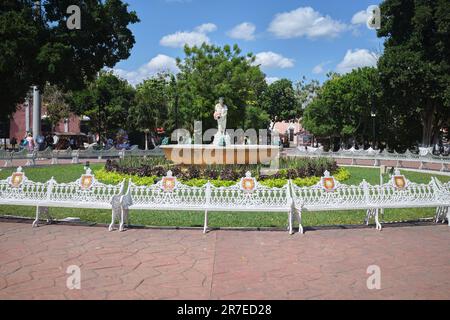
<point>205,225</point>
<point>291,221</point>
<point>369,214</point>
<point>300,226</point>
<point>123,219</point>
<point>39,211</point>
<point>442,213</point>
<point>36,221</point>
<point>113,218</point>
<point>377,220</point>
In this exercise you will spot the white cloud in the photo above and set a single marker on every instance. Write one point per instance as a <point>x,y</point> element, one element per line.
<point>357,59</point>
<point>160,63</point>
<point>305,22</point>
<point>360,17</point>
<point>271,80</point>
<point>271,59</point>
<point>320,68</point>
<point>243,31</point>
<point>206,28</point>
<point>191,38</point>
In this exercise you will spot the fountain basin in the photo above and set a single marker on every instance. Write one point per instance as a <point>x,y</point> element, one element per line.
<point>214,155</point>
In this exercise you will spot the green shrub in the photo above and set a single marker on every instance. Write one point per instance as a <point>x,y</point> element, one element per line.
<point>115,178</point>
<point>273,183</point>
<point>195,182</point>
<point>342,175</point>
<point>306,182</point>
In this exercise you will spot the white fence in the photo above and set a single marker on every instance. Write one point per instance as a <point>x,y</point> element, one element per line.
<point>246,196</point>
<point>54,156</point>
<point>424,157</point>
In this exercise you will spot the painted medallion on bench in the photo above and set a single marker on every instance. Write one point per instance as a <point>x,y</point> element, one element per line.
<point>248,184</point>
<point>169,183</point>
<point>328,182</point>
<point>399,181</point>
<point>86,180</point>
<point>17,178</point>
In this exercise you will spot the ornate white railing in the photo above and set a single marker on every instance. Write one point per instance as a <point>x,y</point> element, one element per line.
<point>74,155</point>
<point>86,192</point>
<point>424,157</point>
<point>246,196</point>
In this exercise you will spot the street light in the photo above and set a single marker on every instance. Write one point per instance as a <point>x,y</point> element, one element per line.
<point>373,114</point>
<point>146,131</point>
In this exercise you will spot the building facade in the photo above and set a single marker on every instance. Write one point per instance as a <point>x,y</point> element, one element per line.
<point>21,122</point>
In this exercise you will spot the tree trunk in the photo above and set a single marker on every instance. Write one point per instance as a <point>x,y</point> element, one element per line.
<point>428,117</point>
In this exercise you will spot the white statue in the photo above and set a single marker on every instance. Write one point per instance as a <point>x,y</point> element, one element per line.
<point>220,115</point>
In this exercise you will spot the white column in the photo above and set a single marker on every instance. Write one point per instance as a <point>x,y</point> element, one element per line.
<point>36,112</point>
<point>27,115</point>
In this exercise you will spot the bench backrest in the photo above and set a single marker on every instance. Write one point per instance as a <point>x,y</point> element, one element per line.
<point>86,189</point>
<point>248,194</point>
<point>444,191</point>
<point>329,194</point>
<point>17,188</point>
<point>167,193</point>
<point>400,192</point>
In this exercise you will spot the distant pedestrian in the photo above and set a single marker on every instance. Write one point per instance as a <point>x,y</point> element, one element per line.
<point>13,143</point>
<point>30,143</point>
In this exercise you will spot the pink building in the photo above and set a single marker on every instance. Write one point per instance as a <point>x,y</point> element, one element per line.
<point>294,132</point>
<point>22,122</point>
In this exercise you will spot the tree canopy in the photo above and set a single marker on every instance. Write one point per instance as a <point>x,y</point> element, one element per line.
<point>343,107</point>
<point>280,101</point>
<point>150,108</point>
<point>106,101</point>
<point>209,72</point>
<point>415,67</point>
<point>36,46</point>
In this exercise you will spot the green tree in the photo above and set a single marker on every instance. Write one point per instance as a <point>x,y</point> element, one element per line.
<point>150,109</point>
<point>209,72</point>
<point>343,107</point>
<point>36,46</point>
<point>106,101</point>
<point>415,67</point>
<point>305,92</point>
<point>280,101</point>
<point>56,103</point>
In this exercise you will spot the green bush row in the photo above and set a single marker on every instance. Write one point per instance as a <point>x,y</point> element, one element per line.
<point>109,177</point>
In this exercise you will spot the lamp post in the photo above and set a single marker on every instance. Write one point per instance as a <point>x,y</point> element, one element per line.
<point>146,131</point>
<point>36,112</point>
<point>373,114</point>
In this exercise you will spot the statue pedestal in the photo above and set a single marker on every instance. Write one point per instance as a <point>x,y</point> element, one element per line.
<point>211,155</point>
<point>222,140</point>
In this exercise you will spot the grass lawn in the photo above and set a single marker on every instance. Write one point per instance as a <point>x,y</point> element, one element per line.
<point>67,173</point>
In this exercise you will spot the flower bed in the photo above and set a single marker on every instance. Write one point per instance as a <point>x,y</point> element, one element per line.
<point>303,172</point>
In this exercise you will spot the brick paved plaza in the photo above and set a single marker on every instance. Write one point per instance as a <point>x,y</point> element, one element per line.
<point>169,264</point>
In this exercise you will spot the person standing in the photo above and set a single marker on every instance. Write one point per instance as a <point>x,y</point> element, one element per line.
<point>13,143</point>
<point>30,143</point>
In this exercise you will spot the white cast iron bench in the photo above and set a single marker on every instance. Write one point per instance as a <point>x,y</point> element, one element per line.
<point>249,196</point>
<point>169,194</point>
<point>86,192</point>
<point>443,211</point>
<point>399,192</point>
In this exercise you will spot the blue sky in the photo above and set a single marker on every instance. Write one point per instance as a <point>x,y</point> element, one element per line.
<point>291,38</point>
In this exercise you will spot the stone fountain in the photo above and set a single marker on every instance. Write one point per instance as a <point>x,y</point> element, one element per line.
<point>222,150</point>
